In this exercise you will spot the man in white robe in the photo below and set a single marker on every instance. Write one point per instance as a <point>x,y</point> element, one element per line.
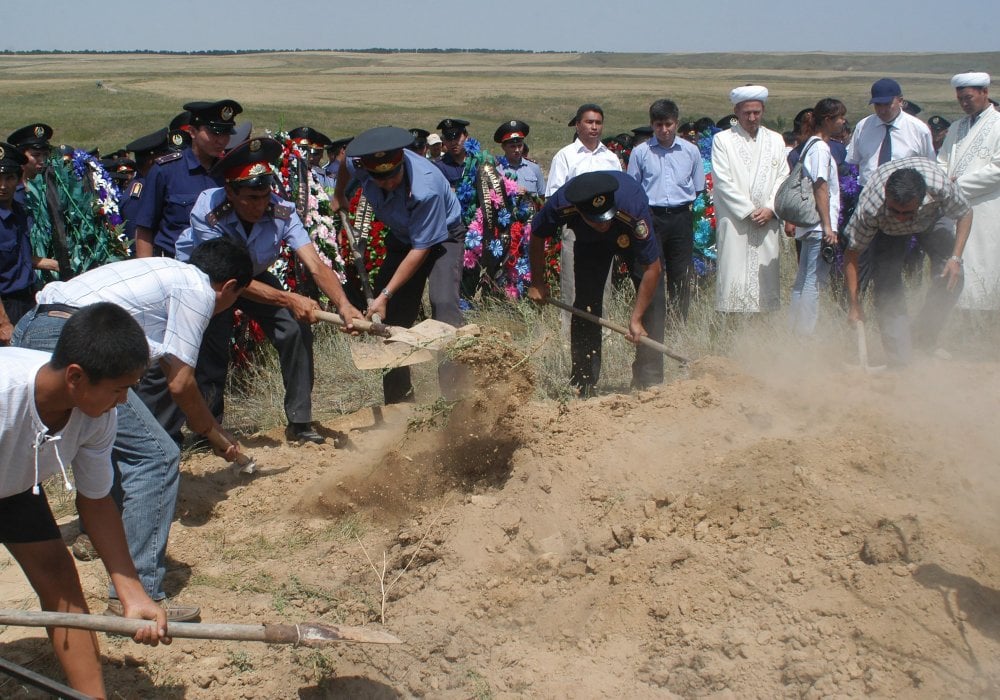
<point>971,157</point>
<point>748,165</point>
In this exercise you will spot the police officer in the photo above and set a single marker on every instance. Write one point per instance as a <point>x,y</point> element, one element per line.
<point>145,150</point>
<point>33,142</point>
<point>17,291</point>
<point>454,135</point>
<point>412,197</point>
<point>312,143</point>
<point>180,131</point>
<point>419,145</point>
<point>176,179</point>
<point>610,214</point>
<point>247,211</point>
<point>335,154</point>
<point>528,175</point>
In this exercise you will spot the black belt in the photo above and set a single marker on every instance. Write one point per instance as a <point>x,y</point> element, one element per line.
<point>671,210</point>
<point>59,310</point>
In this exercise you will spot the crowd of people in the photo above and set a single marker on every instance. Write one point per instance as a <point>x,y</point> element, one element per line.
<point>214,226</point>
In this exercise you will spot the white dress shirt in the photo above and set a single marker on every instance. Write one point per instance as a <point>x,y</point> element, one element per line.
<point>575,159</point>
<point>910,137</point>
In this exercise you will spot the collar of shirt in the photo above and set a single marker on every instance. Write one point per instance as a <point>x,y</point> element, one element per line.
<point>581,148</point>
<point>192,162</point>
<point>654,143</point>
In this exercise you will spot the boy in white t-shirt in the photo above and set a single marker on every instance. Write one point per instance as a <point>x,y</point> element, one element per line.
<point>59,411</point>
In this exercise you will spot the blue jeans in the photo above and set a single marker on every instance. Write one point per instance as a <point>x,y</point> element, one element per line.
<point>146,463</point>
<point>803,309</point>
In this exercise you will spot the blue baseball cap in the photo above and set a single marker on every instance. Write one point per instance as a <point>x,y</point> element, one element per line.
<point>884,91</point>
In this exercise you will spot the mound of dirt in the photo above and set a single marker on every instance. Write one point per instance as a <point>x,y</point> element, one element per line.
<point>770,530</point>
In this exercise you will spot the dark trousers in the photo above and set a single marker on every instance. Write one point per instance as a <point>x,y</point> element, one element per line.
<point>18,303</point>
<point>888,255</point>
<point>292,340</point>
<point>591,266</point>
<point>676,233</point>
<point>441,273</point>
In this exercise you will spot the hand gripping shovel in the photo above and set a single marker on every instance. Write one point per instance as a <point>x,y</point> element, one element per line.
<point>648,342</point>
<point>402,346</point>
<point>310,634</point>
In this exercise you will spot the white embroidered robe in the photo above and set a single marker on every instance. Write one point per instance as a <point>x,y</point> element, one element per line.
<point>972,157</point>
<point>746,174</point>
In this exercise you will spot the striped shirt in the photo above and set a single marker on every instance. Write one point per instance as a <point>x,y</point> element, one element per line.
<point>172,301</point>
<point>943,198</point>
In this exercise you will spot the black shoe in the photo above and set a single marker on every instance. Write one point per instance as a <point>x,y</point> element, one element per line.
<point>303,432</point>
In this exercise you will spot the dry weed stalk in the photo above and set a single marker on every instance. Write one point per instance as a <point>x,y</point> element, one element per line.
<point>385,563</point>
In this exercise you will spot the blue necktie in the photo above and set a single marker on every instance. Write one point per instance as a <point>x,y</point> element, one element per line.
<point>885,151</point>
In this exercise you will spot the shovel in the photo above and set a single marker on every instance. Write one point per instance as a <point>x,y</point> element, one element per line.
<point>863,350</point>
<point>244,464</point>
<point>310,634</point>
<point>403,346</point>
<point>648,342</point>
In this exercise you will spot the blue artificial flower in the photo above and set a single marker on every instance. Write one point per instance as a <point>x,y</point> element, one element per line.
<point>473,239</point>
<point>472,146</point>
<point>503,216</point>
<point>523,267</point>
<point>496,248</point>
<point>465,191</point>
<point>700,268</point>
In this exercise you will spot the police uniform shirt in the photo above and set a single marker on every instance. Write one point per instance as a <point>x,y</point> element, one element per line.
<point>528,175</point>
<point>631,228</point>
<point>671,177</point>
<point>128,207</point>
<point>331,170</point>
<point>451,170</point>
<point>16,273</point>
<point>324,179</point>
<point>213,217</point>
<point>419,211</point>
<point>171,189</point>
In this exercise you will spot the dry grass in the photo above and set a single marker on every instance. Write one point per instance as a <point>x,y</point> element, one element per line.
<point>343,93</point>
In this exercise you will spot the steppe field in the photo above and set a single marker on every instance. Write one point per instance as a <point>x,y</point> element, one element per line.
<point>772,522</point>
<point>104,101</point>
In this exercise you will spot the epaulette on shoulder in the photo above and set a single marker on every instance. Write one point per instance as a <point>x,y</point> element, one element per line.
<point>135,191</point>
<point>282,211</point>
<point>568,210</point>
<point>217,213</point>
<point>625,217</point>
<point>168,157</point>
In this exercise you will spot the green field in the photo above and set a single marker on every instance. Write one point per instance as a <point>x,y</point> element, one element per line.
<point>97,100</point>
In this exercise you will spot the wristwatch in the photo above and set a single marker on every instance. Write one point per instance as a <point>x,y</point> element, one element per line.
<point>955,258</point>
<point>386,293</point>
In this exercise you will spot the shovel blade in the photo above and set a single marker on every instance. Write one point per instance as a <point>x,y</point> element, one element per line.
<point>387,355</point>
<point>316,634</point>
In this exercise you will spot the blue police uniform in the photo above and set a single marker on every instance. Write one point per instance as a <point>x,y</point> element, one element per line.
<point>323,177</point>
<point>213,217</point>
<point>17,275</point>
<point>631,236</point>
<point>171,188</point>
<point>451,170</point>
<point>527,174</point>
<point>128,206</point>
<point>423,213</point>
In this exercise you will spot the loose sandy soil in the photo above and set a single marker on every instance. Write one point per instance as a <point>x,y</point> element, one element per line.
<point>759,529</point>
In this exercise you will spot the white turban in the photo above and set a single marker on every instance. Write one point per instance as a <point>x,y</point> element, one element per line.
<point>748,92</point>
<point>976,80</point>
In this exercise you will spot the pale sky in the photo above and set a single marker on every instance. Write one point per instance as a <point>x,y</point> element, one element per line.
<point>652,26</point>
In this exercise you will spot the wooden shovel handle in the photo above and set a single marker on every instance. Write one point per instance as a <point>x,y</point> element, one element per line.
<point>362,325</point>
<point>308,634</point>
<point>648,342</point>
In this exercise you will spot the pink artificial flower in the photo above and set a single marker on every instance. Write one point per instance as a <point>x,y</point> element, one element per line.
<point>469,259</point>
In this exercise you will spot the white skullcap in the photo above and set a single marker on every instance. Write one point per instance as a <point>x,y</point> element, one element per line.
<point>748,92</point>
<point>976,80</point>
